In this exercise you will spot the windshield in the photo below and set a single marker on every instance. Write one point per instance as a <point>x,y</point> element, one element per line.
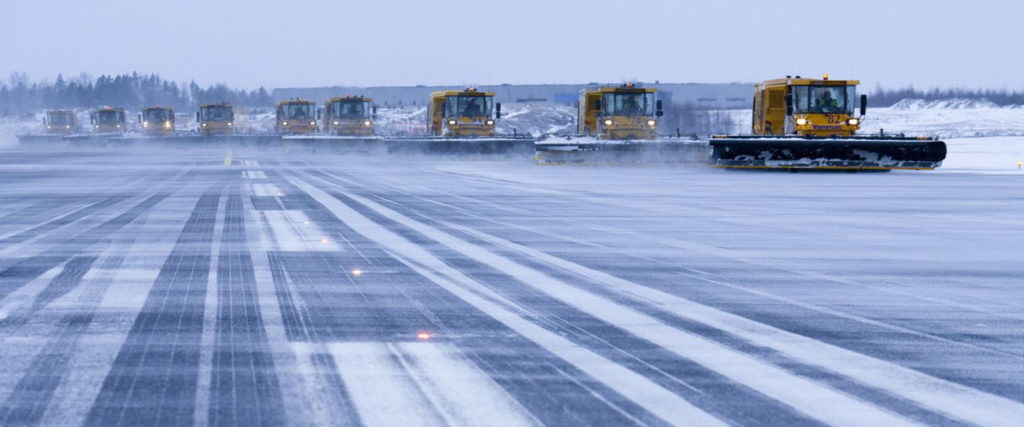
<point>824,99</point>
<point>470,106</point>
<point>109,116</point>
<point>218,113</point>
<point>59,118</point>
<point>350,109</point>
<point>156,115</point>
<point>296,111</point>
<point>628,104</point>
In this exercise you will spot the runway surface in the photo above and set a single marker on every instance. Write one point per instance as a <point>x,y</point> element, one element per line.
<point>268,287</point>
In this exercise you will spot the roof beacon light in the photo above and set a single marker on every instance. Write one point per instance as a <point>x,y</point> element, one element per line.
<point>826,76</point>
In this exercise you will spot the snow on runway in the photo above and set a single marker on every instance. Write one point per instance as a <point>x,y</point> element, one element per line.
<point>289,288</point>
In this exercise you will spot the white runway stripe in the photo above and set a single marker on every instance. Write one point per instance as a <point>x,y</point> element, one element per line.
<point>955,400</point>
<point>293,231</point>
<point>254,174</point>
<point>408,383</point>
<point>380,388</point>
<point>459,389</point>
<point>645,393</point>
<point>266,190</point>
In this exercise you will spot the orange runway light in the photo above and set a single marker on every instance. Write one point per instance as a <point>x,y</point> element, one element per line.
<point>357,272</point>
<point>423,336</point>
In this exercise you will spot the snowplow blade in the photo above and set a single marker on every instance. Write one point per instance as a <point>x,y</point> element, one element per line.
<point>501,146</point>
<point>589,151</point>
<point>851,153</point>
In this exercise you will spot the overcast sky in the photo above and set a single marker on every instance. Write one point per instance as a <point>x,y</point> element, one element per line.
<point>249,43</point>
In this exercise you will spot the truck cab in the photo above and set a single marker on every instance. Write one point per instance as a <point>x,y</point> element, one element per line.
<point>349,116</point>
<point>295,117</point>
<point>623,112</point>
<point>807,107</point>
<point>462,113</point>
<point>60,122</point>
<point>108,120</point>
<point>157,121</point>
<point>216,119</point>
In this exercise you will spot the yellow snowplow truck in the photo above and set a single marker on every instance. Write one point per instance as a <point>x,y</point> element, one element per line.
<point>157,121</point>
<point>108,120</point>
<point>803,123</point>
<point>216,119</point>
<point>618,125</point>
<point>349,116</point>
<point>462,113</point>
<point>624,112</point>
<point>60,122</point>
<point>462,122</point>
<point>296,117</point>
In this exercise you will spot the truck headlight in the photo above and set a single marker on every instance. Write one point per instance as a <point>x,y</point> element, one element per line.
<point>119,126</point>
<point>67,127</point>
<point>204,124</point>
<point>48,127</point>
<point>651,123</point>
<point>801,122</point>
<point>451,123</point>
<point>853,122</point>
<point>284,124</point>
<point>97,126</point>
<point>367,123</point>
<point>312,123</point>
<point>145,124</point>
<point>335,122</point>
<point>490,123</point>
<point>230,124</point>
<point>608,122</point>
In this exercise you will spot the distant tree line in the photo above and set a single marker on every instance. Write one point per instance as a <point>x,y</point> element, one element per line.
<point>20,96</point>
<point>887,97</point>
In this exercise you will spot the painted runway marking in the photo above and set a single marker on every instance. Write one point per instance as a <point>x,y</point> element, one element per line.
<point>292,231</point>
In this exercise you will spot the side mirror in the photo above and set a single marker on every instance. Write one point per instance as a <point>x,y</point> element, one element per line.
<point>197,116</point>
<point>789,104</point>
<point>374,111</point>
<point>44,121</point>
<point>597,105</point>
<point>92,120</point>
<point>497,112</point>
<point>863,105</point>
<point>140,117</point>
<point>320,113</point>
<point>658,111</point>
<point>444,109</point>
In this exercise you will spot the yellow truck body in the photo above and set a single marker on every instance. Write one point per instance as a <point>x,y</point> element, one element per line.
<point>60,122</point>
<point>618,112</point>
<point>216,119</point>
<point>816,107</point>
<point>349,116</point>
<point>157,121</point>
<point>296,117</point>
<point>108,120</point>
<point>462,113</point>
<point>804,123</point>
